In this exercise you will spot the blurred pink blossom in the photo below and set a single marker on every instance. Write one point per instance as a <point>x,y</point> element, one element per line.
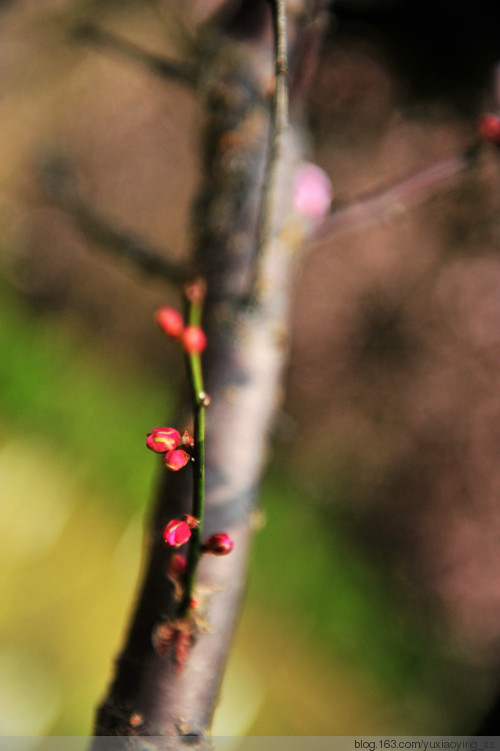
<point>312,191</point>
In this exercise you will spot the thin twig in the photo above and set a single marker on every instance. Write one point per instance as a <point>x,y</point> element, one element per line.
<point>173,70</point>
<point>60,184</point>
<point>279,126</point>
<point>199,399</point>
<point>280,105</point>
<point>390,202</point>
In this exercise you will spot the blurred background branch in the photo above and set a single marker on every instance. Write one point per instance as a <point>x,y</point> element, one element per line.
<point>60,183</point>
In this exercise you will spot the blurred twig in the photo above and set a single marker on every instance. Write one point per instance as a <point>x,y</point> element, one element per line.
<point>279,127</point>
<point>61,186</point>
<point>394,200</point>
<point>173,70</point>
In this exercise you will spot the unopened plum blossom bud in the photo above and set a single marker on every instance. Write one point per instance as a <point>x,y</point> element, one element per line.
<point>193,340</point>
<point>176,459</point>
<point>218,544</point>
<point>176,533</point>
<point>489,128</point>
<point>170,321</point>
<point>177,564</point>
<point>163,439</point>
<point>312,192</point>
<point>191,521</point>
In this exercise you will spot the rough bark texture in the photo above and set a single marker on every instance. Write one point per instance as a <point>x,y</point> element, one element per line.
<point>154,694</point>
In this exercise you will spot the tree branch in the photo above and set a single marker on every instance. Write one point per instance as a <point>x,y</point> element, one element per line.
<point>152,695</point>
<point>279,125</point>
<point>382,204</point>
<point>61,186</point>
<point>172,70</point>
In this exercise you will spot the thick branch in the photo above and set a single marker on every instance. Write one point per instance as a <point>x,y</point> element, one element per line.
<point>152,694</point>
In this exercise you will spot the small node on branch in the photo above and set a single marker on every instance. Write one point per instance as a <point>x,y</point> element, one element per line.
<point>187,440</point>
<point>174,637</point>
<point>204,399</point>
<point>195,291</point>
<point>191,521</point>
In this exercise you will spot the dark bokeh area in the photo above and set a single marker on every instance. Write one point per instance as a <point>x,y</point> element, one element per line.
<point>386,450</point>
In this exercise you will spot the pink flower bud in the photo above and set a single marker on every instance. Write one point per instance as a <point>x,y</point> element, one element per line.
<point>176,459</point>
<point>218,544</point>
<point>193,340</point>
<point>187,439</point>
<point>177,565</point>
<point>170,321</point>
<point>312,192</point>
<point>489,128</point>
<point>163,439</point>
<point>176,533</point>
<point>191,521</point>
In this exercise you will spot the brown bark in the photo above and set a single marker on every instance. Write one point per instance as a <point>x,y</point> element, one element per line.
<point>161,695</point>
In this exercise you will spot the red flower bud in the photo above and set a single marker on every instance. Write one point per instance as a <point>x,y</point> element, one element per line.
<point>193,340</point>
<point>489,128</point>
<point>176,459</point>
<point>218,544</point>
<point>170,321</point>
<point>163,439</point>
<point>177,564</point>
<point>176,533</point>
<point>191,521</point>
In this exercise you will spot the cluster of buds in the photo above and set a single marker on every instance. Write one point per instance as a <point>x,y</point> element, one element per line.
<point>167,441</point>
<point>178,531</point>
<point>489,128</point>
<point>192,338</point>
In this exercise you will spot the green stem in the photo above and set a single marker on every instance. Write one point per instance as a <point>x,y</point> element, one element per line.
<point>198,394</point>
